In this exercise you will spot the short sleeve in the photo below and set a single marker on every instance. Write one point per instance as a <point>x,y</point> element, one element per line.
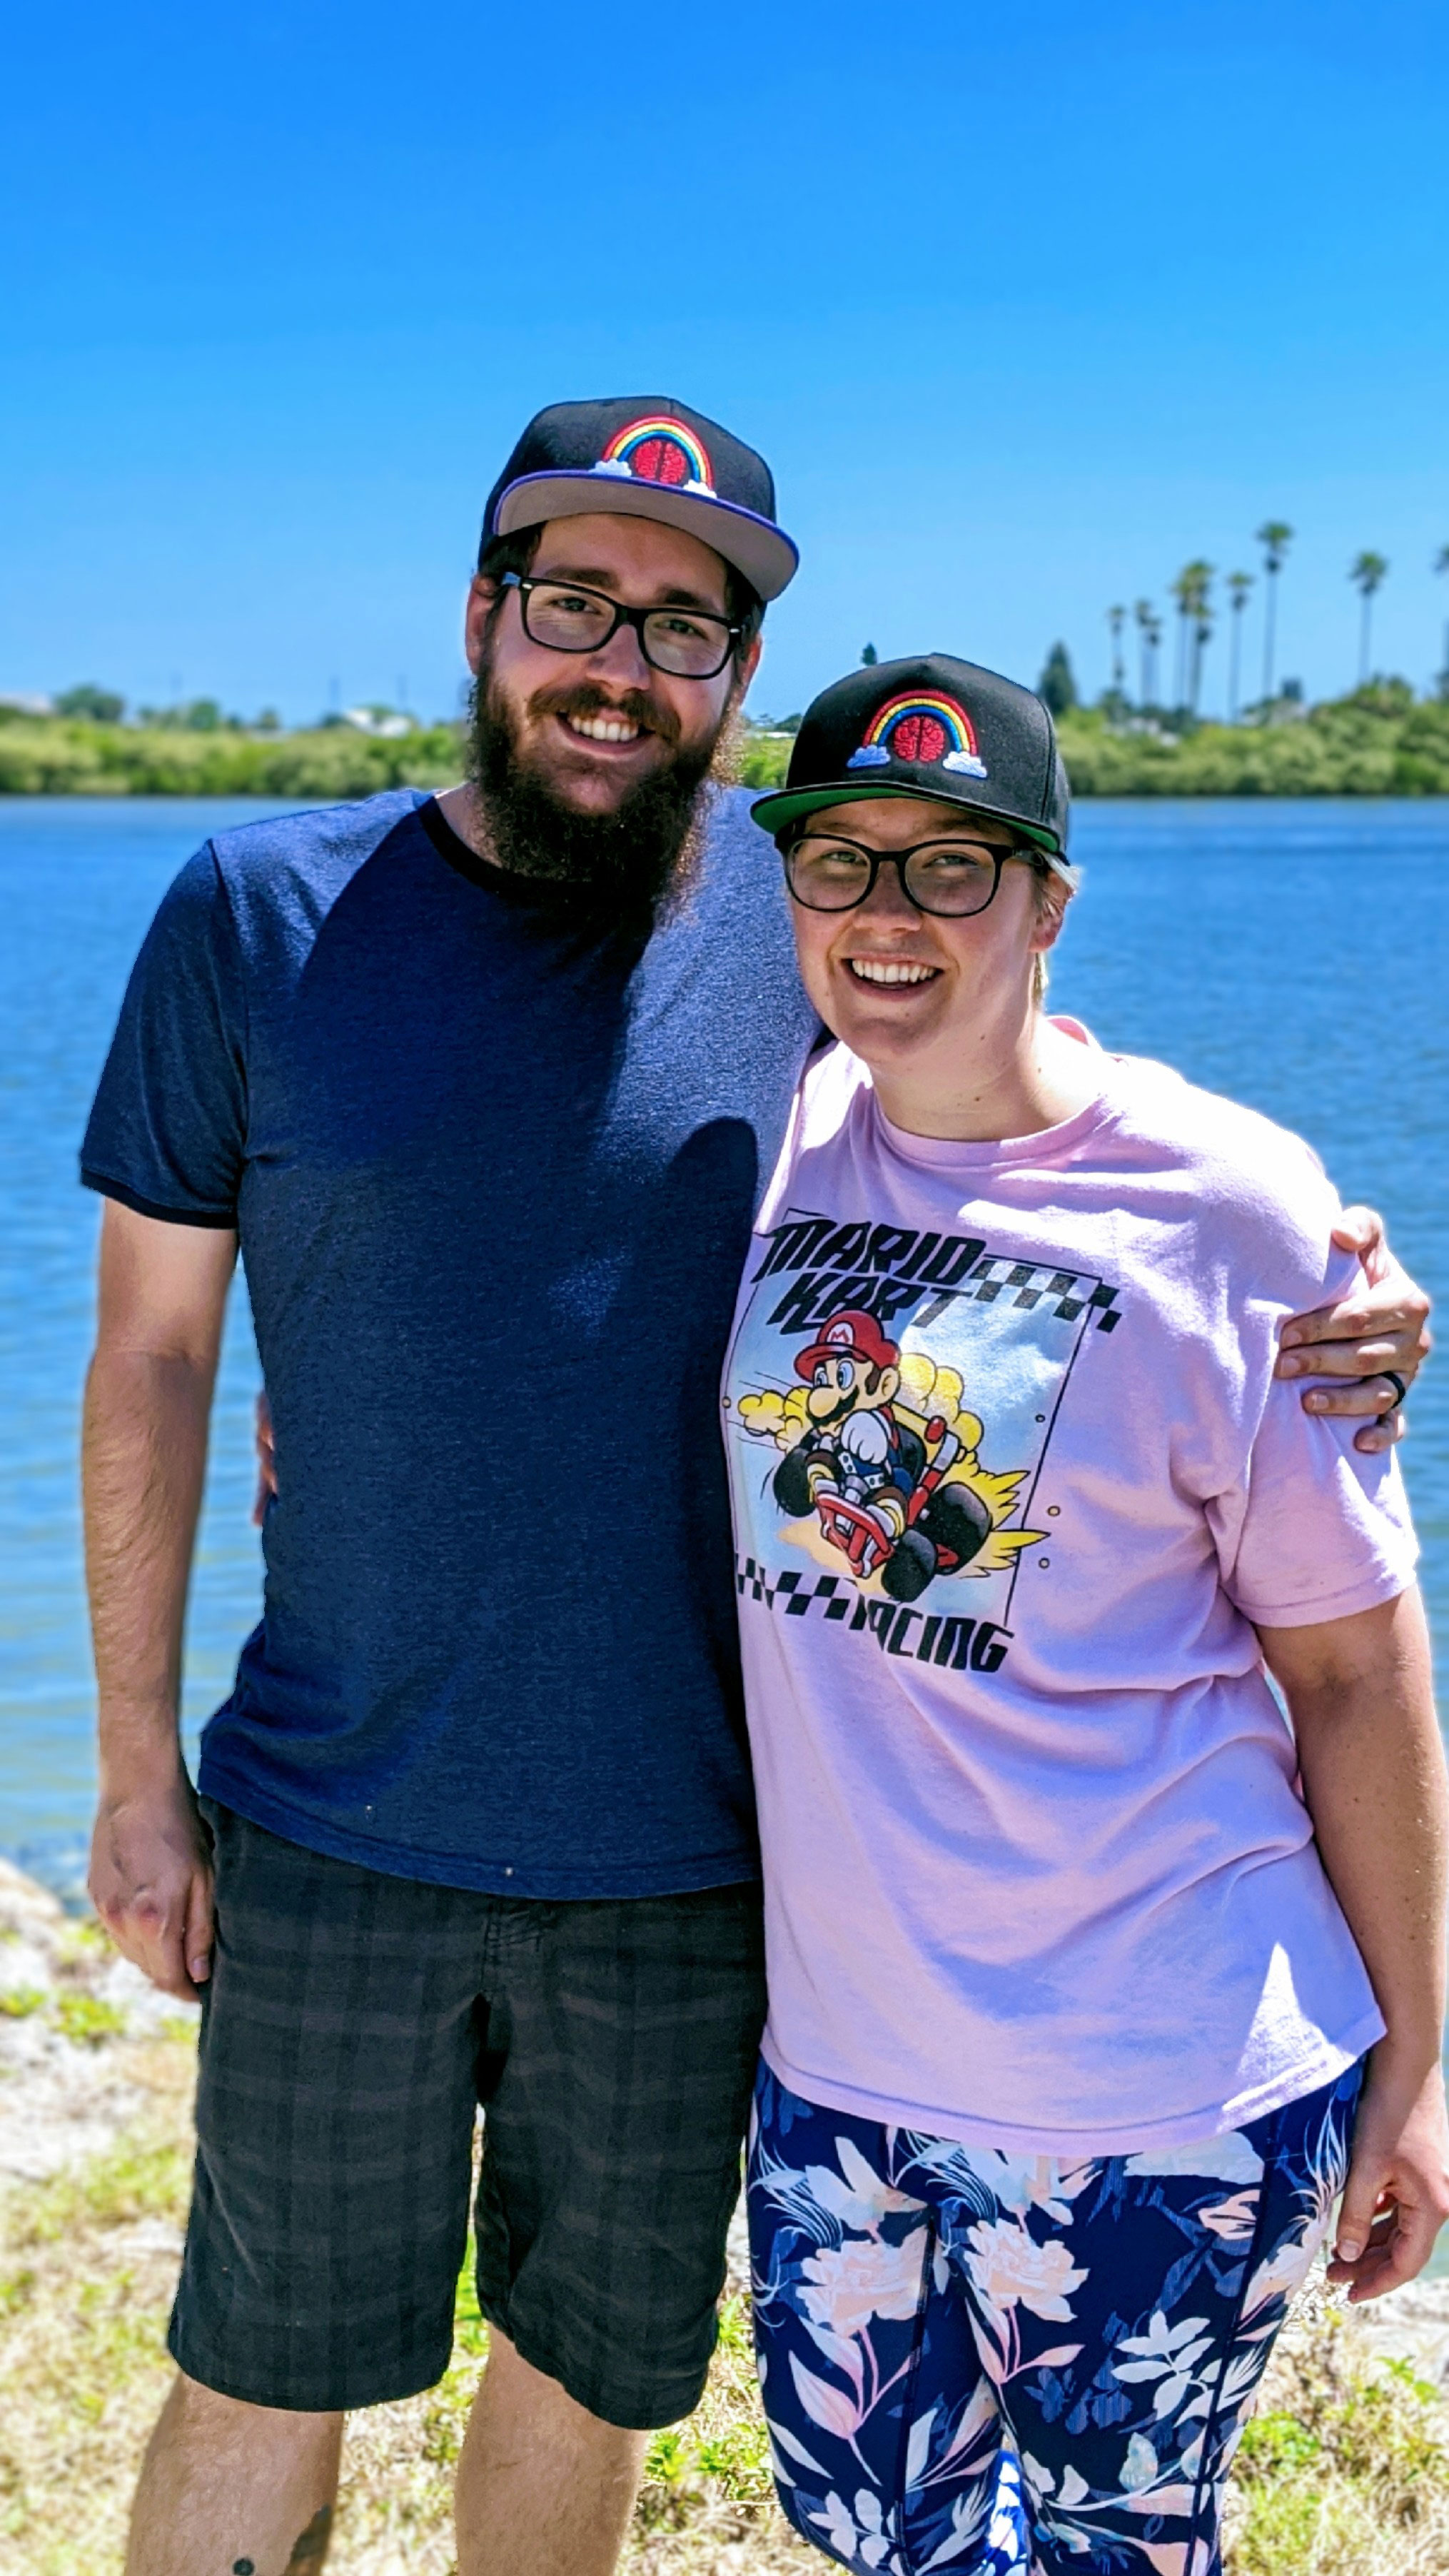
<point>167,1130</point>
<point>1323,1530</point>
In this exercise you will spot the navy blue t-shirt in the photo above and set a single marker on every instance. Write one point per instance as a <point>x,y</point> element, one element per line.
<point>493,1177</point>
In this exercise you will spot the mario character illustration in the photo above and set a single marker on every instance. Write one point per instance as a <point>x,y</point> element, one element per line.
<point>875,1482</point>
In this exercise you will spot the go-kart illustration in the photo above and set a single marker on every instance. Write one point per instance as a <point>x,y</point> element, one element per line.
<point>944,1525</point>
<point>874,1480</point>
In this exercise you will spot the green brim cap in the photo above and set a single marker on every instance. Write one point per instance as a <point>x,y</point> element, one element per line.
<point>929,727</point>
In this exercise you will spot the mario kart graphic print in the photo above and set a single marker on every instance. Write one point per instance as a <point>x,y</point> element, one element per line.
<point>903,1388</point>
<point>897,1486</point>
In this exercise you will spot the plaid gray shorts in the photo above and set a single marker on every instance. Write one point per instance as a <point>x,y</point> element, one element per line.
<point>352,2025</point>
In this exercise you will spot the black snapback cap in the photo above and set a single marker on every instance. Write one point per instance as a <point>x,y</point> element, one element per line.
<point>646,456</point>
<point>929,727</point>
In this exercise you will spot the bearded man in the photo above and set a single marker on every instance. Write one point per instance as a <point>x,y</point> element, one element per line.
<point>485,1086</point>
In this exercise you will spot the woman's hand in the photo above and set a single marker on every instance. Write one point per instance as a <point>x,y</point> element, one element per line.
<point>1397,2195</point>
<point>1383,1325</point>
<point>266,1462</point>
<point>1361,1697</point>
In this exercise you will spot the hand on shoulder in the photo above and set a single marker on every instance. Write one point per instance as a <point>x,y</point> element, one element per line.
<point>1381,1324</point>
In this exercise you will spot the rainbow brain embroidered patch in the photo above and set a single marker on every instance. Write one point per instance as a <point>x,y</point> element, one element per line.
<point>659,450</point>
<point>927,731</point>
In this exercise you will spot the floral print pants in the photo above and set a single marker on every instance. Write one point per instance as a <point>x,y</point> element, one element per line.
<point>1012,2365</point>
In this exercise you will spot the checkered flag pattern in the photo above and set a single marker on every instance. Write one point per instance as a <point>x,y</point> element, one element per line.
<point>1033,1283</point>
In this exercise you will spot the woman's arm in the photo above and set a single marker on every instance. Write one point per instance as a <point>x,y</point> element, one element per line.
<point>1360,1696</point>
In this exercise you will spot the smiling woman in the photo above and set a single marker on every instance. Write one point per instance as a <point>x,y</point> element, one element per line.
<point>1061,1920</point>
<point>942,916</point>
<point>937,884</point>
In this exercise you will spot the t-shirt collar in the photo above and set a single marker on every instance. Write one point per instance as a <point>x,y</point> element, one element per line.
<point>1046,1145</point>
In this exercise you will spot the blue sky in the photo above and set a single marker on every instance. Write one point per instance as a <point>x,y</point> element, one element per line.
<point>1026,308</point>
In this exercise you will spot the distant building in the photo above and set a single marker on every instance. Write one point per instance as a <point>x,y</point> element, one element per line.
<point>26,702</point>
<point>380,722</point>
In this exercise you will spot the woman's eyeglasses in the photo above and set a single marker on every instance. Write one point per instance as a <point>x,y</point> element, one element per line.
<point>953,878</point>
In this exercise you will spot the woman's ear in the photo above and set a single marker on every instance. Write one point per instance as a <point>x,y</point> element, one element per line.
<point>1052,899</point>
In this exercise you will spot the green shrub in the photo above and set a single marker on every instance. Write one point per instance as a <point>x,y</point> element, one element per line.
<point>1351,2472</point>
<point>86,2021</point>
<point>51,758</point>
<point>765,759</point>
<point>135,2181</point>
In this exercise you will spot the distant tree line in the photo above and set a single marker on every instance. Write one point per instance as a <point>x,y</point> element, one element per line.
<point>1378,741</point>
<point>74,755</point>
<point>90,704</point>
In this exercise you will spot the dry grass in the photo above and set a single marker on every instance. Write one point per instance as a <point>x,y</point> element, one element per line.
<point>1342,2472</point>
<point>87,2268</point>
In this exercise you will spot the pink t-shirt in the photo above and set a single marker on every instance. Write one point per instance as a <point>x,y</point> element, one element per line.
<point>1011,1477</point>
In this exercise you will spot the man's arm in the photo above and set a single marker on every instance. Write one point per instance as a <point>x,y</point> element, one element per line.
<point>1360,1696</point>
<point>148,1402</point>
<point>1382,1325</point>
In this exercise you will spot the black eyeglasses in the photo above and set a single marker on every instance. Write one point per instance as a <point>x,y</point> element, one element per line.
<point>688,643</point>
<point>826,873</point>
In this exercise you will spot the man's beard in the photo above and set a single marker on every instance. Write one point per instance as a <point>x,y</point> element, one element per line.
<point>623,868</point>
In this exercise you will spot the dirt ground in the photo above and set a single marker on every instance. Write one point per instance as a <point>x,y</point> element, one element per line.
<point>1343,2471</point>
<point>96,2081</point>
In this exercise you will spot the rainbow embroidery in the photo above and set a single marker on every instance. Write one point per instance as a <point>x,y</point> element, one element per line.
<point>921,729</point>
<point>659,450</point>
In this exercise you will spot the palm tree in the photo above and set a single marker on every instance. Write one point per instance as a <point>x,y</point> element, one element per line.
<point>1366,572</point>
<point>1195,625</point>
<point>1239,585</point>
<point>1275,537</point>
<point>1441,564</point>
<point>1183,592</point>
<point>1117,619</point>
<point>1200,576</point>
<point>1146,623</point>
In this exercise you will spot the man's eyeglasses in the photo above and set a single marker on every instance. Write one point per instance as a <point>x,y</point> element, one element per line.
<point>688,643</point>
<point>828,874</point>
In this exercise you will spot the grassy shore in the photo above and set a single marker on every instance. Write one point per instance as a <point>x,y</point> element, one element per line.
<point>55,756</point>
<point>97,2075</point>
<point>1381,741</point>
<point>87,2269</point>
<point>1342,2472</point>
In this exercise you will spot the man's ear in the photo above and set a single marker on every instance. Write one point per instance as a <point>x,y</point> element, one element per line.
<point>888,1380</point>
<point>748,665</point>
<point>482,599</point>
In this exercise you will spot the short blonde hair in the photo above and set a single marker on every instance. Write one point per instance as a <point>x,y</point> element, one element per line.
<point>1052,895</point>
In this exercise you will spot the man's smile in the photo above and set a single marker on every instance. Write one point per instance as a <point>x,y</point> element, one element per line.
<point>604,728</point>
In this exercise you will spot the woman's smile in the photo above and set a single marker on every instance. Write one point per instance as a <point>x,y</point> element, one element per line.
<point>896,971</point>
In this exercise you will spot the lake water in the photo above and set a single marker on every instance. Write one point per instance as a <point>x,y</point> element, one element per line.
<point>1296,955</point>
